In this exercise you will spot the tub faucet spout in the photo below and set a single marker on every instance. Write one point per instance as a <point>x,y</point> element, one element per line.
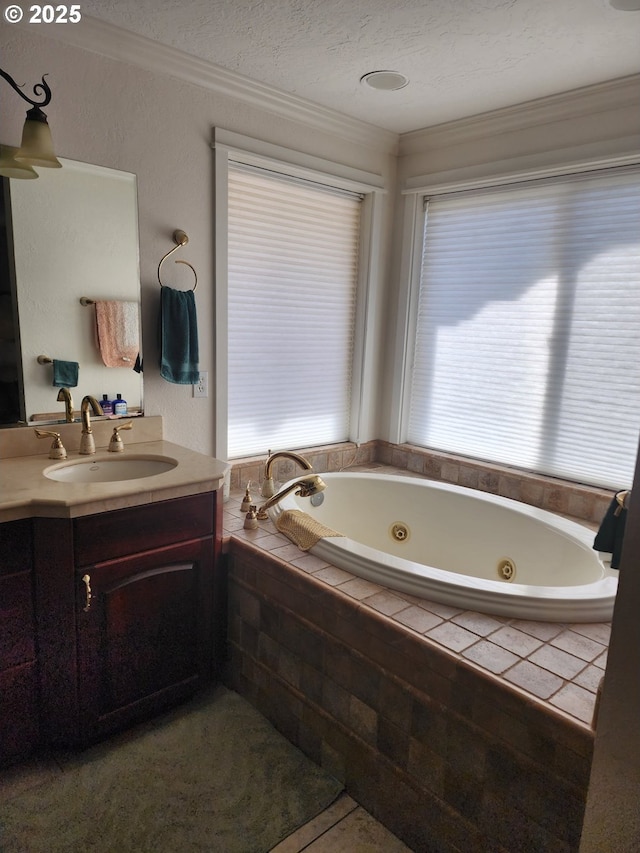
<point>268,487</point>
<point>305,488</point>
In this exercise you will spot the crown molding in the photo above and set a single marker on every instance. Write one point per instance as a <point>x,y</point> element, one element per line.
<point>602,97</point>
<point>124,46</point>
<point>584,158</point>
<point>257,152</point>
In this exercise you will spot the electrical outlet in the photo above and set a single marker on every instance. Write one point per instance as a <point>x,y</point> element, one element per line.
<point>201,389</point>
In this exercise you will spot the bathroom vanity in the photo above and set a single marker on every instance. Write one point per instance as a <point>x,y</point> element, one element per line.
<point>112,603</point>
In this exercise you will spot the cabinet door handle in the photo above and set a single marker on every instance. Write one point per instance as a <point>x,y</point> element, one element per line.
<point>87,583</point>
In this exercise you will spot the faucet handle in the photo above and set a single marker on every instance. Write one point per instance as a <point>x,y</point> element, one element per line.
<point>57,450</point>
<point>247,500</point>
<point>116,444</point>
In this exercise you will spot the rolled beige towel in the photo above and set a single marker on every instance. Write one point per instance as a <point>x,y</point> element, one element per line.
<point>302,529</point>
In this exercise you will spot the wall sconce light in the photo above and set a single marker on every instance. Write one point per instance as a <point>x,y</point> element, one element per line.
<point>36,148</point>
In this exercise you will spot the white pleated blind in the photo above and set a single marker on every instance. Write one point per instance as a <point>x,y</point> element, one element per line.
<point>528,331</point>
<point>293,268</point>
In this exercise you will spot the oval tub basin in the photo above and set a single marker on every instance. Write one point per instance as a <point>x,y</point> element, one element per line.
<point>461,547</point>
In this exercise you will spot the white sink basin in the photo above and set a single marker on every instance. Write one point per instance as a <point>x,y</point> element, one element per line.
<point>109,470</point>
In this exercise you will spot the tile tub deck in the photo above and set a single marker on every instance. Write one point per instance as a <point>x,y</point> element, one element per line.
<point>558,664</point>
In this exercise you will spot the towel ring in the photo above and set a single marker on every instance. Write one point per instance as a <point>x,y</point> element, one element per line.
<point>180,239</point>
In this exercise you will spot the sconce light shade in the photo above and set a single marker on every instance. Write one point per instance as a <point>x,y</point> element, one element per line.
<point>37,145</point>
<point>12,168</point>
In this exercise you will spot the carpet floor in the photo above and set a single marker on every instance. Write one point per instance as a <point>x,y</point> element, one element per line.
<point>213,775</point>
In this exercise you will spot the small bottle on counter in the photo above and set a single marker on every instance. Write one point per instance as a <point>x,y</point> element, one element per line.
<point>119,405</point>
<point>107,405</point>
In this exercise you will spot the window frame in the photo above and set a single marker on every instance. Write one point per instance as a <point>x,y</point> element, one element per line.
<point>231,147</point>
<point>414,214</point>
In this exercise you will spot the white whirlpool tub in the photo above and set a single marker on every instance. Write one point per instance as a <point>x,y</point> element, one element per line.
<point>460,546</point>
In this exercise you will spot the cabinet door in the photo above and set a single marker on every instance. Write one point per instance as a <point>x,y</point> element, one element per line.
<point>144,633</point>
<point>19,728</point>
<point>19,715</point>
<point>18,694</point>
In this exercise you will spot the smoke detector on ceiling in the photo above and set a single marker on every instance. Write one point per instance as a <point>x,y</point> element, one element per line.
<point>387,81</point>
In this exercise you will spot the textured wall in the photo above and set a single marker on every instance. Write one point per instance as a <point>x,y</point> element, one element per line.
<point>612,819</point>
<point>114,114</point>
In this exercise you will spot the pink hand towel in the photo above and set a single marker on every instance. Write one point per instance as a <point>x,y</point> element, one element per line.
<point>118,332</point>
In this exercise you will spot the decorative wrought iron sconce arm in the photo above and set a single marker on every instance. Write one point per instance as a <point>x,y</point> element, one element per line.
<point>44,87</point>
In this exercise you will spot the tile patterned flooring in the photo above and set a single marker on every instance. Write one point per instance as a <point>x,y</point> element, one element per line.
<point>345,827</point>
<point>559,664</point>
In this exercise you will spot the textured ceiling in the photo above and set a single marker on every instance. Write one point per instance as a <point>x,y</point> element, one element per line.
<point>463,57</point>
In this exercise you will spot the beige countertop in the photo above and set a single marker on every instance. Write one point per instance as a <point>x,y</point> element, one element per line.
<point>26,492</point>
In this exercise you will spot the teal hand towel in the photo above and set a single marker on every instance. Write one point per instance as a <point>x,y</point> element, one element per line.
<point>178,337</point>
<point>65,373</point>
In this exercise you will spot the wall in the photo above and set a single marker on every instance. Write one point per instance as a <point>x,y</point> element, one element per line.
<point>116,114</point>
<point>612,819</point>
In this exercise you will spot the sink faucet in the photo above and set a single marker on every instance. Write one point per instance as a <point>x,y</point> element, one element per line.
<point>87,441</point>
<point>65,395</point>
<point>268,488</point>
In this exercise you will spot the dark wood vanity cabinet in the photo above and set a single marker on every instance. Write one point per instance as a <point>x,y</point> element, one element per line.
<point>19,728</point>
<point>144,633</point>
<point>132,614</point>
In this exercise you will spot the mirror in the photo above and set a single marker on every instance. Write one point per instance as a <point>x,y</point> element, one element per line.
<point>74,234</point>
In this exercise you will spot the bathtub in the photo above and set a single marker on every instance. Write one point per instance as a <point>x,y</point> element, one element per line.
<point>461,547</point>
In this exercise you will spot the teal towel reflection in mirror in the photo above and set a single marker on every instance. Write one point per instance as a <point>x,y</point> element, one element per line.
<point>179,357</point>
<point>118,332</point>
<point>65,373</point>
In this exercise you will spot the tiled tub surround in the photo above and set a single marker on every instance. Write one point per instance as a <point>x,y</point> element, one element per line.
<point>560,664</point>
<point>585,503</point>
<point>446,756</point>
<point>458,730</point>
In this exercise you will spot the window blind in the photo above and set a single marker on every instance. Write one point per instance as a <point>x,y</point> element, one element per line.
<point>527,348</point>
<point>293,272</point>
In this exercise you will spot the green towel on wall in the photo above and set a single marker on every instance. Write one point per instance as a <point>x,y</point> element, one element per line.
<point>178,337</point>
<point>65,373</point>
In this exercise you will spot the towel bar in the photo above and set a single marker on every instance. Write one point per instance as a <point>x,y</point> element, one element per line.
<point>180,239</point>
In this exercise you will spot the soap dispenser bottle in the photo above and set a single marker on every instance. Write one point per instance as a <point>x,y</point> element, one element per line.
<point>107,405</point>
<point>119,405</point>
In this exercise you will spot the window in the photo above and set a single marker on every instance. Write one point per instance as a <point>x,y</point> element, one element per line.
<point>527,346</point>
<point>293,249</point>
